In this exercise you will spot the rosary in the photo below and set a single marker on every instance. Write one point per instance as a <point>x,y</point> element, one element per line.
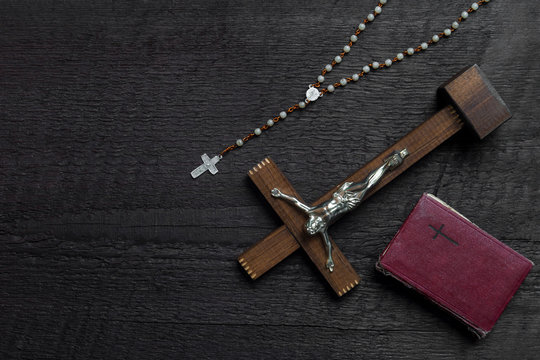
<point>315,91</point>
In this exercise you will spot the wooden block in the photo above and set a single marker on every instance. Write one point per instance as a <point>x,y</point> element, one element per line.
<point>266,176</point>
<point>269,251</point>
<point>476,100</point>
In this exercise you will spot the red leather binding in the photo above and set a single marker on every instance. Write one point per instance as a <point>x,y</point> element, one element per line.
<point>454,263</point>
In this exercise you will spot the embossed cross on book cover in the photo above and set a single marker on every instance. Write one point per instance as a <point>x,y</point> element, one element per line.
<point>454,263</point>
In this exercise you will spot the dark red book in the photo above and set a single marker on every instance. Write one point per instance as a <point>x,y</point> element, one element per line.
<point>454,263</point>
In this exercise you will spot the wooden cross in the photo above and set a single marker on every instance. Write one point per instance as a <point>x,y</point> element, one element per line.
<point>207,165</point>
<point>471,99</point>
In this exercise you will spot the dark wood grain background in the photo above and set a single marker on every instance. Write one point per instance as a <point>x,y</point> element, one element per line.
<point>108,248</point>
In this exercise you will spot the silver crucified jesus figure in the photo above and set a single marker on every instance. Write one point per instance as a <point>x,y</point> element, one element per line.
<point>347,197</point>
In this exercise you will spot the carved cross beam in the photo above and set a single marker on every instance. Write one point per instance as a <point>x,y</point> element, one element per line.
<point>471,99</point>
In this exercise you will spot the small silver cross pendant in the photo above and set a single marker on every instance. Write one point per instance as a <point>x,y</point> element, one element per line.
<point>208,164</point>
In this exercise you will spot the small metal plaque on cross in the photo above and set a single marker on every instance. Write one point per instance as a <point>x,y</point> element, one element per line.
<point>207,165</point>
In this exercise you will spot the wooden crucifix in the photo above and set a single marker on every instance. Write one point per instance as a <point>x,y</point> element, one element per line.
<point>471,99</point>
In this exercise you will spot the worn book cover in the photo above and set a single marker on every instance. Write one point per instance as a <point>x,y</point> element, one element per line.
<point>454,263</point>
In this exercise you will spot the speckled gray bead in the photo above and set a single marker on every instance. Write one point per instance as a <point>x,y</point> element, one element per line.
<point>283,114</point>
<point>257,132</point>
<point>343,82</point>
<point>239,142</point>
<point>301,104</point>
<point>331,88</point>
<point>320,78</point>
<point>328,68</point>
<point>270,122</point>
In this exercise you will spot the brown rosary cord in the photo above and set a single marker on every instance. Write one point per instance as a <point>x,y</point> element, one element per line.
<point>372,66</point>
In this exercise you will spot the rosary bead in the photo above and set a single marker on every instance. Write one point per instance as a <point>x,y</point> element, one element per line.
<point>312,93</point>
<point>455,24</point>
<point>388,62</point>
<point>346,48</point>
<point>362,26</point>
<point>354,38</point>
<point>410,51</point>
<point>270,122</point>
<point>283,114</point>
<point>257,131</point>
<point>447,32</point>
<point>435,38</point>
<point>378,9</point>
<point>371,17</point>
<point>301,104</point>
<point>424,46</point>
<point>366,69</point>
<point>337,59</point>
<point>355,77</point>
<point>331,88</point>
<point>464,15</point>
<point>382,2</point>
<point>399,56</point>
<point>320,78</point>
<point>343,82</point>
<point>328,68</point>
<point>375,65</point>
<point>474,6</point>
<point>239,142</point>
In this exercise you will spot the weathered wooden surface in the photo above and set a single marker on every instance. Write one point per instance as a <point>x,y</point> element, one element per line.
<point>108,248</point>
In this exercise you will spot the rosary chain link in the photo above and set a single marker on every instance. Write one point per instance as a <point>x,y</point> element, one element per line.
<point>371,66</point>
